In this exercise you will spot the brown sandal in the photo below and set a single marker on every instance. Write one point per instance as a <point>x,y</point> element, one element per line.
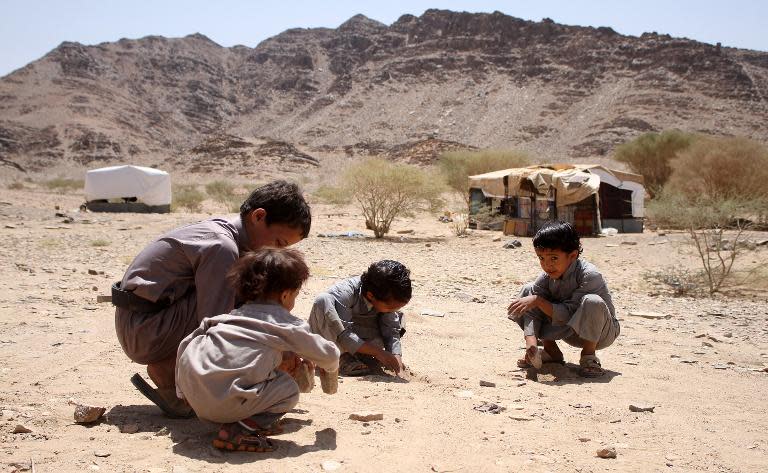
<point>239,439</point>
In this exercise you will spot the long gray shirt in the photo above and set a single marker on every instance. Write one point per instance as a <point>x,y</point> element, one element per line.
<point>195,256</point>
<point>344,302</point>
<point>221,366</point>
<point>565,294</point>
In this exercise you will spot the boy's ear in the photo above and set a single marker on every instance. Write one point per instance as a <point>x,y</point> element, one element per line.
<point>258,214</point>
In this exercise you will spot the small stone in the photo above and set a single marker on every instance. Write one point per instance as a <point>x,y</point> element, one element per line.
<point>487,384</point>
<point>93,272</point>
<point>707,344</point>
<point>432,313</point>
<point>497,238</point>
<point>630,243</point>
<point>102,453</point>
<point>728,335</point>
<point>162,432</point>
<point>720,366</point>
<point>466,394</point>
<point>366,416</point>
<point>648,315</point>
<point>521,383</point>
<point>87,414</point>
<point>129,428</point>
<point>607,452</point>
<point>641,407</point>
<point>584,439</point>
<point>20,429</point>
<point>330,465</point>
<point>521,418</point>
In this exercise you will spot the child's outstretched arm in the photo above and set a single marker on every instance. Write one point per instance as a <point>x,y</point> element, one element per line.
<point>539,299</point>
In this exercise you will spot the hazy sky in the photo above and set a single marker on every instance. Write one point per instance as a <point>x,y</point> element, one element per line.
<point>31,28</point>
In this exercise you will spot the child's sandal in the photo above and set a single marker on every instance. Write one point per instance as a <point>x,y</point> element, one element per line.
<point>239,439</point>
<point>590,367</point>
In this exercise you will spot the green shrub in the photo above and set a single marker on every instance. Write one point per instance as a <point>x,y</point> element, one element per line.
<point>187,196</point>
<point>651,155</point>
<point>457,166</point>
<point>721,168</point>
<point>384,191</point>
<point>64,184</point>
<point>220,191</point>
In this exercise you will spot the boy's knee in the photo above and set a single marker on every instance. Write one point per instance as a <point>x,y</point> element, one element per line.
<point>526,290</point>
<point>592,300</point>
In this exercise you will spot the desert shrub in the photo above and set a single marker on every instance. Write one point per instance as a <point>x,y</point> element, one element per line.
<point>716,228</point>
<point>457,166</point>
<point>384,191</point>
<point>681,282</point>
<point>331,195</point>
<point>187,196</point>
<point>101,242</point>
<point>460,224</point>
<point>723,168</point>
<point>220,191</point>
<point>16,185</point>
<point>652,154</point>
<point>64,184</point>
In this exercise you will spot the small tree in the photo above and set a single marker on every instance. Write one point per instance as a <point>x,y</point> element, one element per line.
<point>457,166</point>
<point>651,155</point>
<point>384,191</point>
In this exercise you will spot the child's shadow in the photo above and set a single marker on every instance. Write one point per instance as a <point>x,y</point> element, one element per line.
<point>556,374</point>
<point>192,437</point>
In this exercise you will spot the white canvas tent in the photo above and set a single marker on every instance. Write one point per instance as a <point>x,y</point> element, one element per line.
<point>128,189</point>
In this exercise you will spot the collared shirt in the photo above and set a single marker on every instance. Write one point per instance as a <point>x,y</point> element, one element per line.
<point>193,257</point>
<point>565,294</point>
<point>361,321</point>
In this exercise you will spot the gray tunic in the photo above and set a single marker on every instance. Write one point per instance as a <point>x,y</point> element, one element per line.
<point>226,369</point>
<point>343,315</point>
<point>186,267</point>
<point>582,307</point>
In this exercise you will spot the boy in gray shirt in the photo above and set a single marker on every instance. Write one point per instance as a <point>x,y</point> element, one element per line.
<point>569,301</point>
<point>361,315</point>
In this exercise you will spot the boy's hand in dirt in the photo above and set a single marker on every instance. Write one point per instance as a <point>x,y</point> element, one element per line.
<point>290,362</point>
<point>390,361</point>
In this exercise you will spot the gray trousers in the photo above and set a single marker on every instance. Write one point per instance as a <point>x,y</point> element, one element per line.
<point>592,322</point>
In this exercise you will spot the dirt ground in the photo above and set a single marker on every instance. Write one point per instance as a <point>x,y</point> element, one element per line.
<point>702,368</point>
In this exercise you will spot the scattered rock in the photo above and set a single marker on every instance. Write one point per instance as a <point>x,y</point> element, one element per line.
<point>464,394</point>
<point>607,452</point>
<point>366,416</point>
<point>648,315</point>
<point>584,439</point>
<point>611,245</point>
<point>521,418</point>
<point>490,408</point>
<point>87,414</point>
<point>641,407</point>
<point>406,232</point>
<point>497,238</point>
<point>93,272</point>
<point>129,428</point>
<point>707,344</point>
<point>162,432</point>
<point>330,465</point>
<point>512,244</point>
<point>720,366</point>
<point>581,406</point>
<point>728,335</point>
<point>20,429</point>
<point>629,243</point>
<point>432,313</point>
<point>102,453</point>
<point>487,384</point>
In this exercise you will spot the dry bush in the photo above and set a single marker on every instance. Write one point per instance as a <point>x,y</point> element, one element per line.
<point>384,191</point>
<point>187,196</point>
<point>652,154</point>
<point>220,191</point>
<point>64,184</point>
<point>721,168</point>
<point>457,166</point>
<point>331,195</point>
<point>460,224</point>
<point>681,282</point>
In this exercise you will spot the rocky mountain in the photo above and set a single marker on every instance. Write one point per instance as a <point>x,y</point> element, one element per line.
<point>439,81</point>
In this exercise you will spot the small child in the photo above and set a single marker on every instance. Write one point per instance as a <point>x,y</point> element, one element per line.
<point>569,301</point>
<point>228,368</point>
<point>361,315</point>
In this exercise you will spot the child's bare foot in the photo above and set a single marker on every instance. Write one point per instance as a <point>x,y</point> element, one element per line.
<point>532,358</point>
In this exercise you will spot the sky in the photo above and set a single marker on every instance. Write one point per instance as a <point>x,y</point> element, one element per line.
<point>31,28</point>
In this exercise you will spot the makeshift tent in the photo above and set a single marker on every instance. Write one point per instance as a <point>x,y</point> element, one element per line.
<point>128,189</point>
<point>589,196</point>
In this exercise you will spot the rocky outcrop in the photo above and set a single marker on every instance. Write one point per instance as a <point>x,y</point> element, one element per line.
<point>479,80</point>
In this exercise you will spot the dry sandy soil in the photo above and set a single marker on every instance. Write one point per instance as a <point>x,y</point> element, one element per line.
<point>702,367</point>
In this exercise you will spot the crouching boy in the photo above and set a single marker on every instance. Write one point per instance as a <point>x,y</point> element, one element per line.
<point>569,301</point>
<point>361,315</point>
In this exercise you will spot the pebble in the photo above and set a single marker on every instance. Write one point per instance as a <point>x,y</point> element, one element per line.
<point>85,414</point>
<point>432,313</point>
<point>129,428</point>
<point>20,429</point>
<point>521,418</point>
<point>330,465</point>
<point>641,407</point>
<point>720,366</point>
<point>607,452</point>
<point>487,384</point>
<point>366,416</point>
<point>497,238</point>
<point>630,243</point>
<point>102,453</point>
<point>93,272</point>
<point>466,394</point>
<point>163,431</point>
<point>584,439</point>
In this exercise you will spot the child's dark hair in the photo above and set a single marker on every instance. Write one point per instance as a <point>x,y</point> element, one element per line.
<point>284,204</point>
<point>267,271</point>
<point>387,280</point>
<point>557,236</point>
